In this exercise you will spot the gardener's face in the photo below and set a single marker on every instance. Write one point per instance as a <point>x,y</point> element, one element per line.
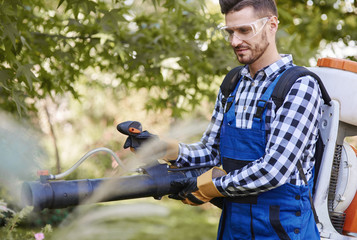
<point>247,34</point>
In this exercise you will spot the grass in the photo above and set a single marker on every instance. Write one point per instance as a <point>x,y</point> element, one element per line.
<point>142,219</point>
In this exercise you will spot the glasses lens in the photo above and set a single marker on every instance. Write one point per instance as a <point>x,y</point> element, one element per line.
<point>226,33</point>
<point>244,31</point>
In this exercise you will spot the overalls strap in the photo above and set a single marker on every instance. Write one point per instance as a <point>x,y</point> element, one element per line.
<point>230,108</point>
<point>259,116</point>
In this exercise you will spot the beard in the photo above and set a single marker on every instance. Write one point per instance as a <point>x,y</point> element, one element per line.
<point>251,52</point>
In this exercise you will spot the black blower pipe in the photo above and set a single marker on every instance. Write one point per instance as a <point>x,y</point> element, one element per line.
<point>154,181</point>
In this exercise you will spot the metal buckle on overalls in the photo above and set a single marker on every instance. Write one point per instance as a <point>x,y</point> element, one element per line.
<point>260,109</point>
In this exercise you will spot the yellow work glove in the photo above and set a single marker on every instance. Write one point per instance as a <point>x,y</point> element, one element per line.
<point>196,191</point>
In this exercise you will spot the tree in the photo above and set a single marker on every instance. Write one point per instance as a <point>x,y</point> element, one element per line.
<point>169,47</point>
<point>307,27</point>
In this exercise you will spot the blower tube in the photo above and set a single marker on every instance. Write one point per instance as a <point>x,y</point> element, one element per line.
<point>154,181</point>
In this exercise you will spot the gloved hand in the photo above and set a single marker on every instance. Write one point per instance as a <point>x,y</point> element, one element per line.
<point>167,149</point>
<point>135,134</point>
<point>134,141</point>
<point>196,191</point>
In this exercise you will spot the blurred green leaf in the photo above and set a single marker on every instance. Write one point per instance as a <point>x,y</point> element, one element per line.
<point>25,71</point>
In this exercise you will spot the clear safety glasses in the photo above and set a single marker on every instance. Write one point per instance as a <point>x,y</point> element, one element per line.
<point>244,31</point>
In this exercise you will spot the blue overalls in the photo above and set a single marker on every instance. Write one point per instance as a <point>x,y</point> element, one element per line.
<point>281,213</point>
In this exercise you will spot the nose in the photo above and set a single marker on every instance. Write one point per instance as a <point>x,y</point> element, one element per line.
<point>235,41</point>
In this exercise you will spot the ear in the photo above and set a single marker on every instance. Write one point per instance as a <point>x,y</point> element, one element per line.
<point>273,24</point>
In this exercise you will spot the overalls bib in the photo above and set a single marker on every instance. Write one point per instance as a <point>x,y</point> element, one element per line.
<point>281,213</point>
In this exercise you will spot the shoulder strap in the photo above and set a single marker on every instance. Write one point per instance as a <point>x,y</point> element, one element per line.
<point>229,83</point>
<point>288,79</point>
<point>302,175</point>
<point>281,90</point>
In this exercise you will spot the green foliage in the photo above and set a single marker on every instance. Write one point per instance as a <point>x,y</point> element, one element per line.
<point>182,223</point>
<point>10,229</point>
<point>141,219</point>
<point>51,217</point>
<point>17,217</point>
<point>168,47</point>
<point>308,26</point>
<point>48,46</point>
<point>12,222</point>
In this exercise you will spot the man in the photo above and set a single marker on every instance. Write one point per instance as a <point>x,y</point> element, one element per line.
<point>264,195</point>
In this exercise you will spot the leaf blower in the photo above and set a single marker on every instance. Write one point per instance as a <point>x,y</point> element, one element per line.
<point>152,180</point>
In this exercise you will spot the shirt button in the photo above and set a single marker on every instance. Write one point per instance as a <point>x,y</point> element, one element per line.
<point>296,231</point>
<point>253,84</point>
<point>245,108</point>
<point>298,213</point>
<point>297,197</point>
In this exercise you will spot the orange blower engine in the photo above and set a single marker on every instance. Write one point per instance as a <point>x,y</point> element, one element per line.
<point>350,225</point>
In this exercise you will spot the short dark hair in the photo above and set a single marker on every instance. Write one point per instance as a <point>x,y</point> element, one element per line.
<point>261,7</point>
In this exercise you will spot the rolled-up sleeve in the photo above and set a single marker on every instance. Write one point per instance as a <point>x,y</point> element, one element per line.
<point>205,152</point>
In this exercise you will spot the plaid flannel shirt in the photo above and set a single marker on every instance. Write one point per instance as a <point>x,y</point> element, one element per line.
<point>292,132</point>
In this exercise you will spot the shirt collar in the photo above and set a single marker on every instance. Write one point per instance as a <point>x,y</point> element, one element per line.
<point>272,69</point>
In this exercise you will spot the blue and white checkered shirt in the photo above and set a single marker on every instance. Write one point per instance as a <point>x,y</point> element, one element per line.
<point>292,132</point>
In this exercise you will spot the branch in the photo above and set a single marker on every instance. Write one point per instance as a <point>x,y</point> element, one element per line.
<point>54,138</point>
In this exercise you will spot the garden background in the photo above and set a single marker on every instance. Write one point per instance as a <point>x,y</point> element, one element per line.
<point>71,70</point>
